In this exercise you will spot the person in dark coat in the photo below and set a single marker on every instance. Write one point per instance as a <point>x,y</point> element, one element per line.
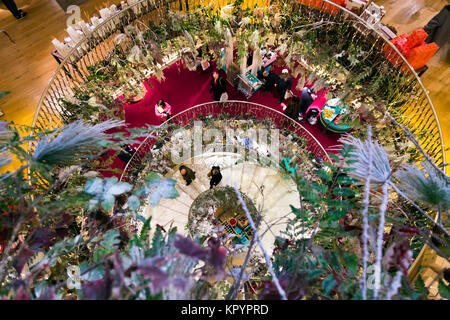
<point>306,100</point>
<point>268,79</point>
<point>293,108</point>
<point>215,175</point>
<point>284,83</point>
<point>126,154</point>
<point>188,174</point>
<point>11,6</point>
<point>218,86</point>
<point>438,28</point>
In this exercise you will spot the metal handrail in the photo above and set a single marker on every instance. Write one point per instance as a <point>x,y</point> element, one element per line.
<point>76,49</point>
<point>59,84</point>
<point>222,106</point>
<point>405,61</point>
<point>51,115</point>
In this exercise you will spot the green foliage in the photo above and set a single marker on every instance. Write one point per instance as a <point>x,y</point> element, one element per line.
<point>105,191</point>
<point>420,287</point>
<point>109,243</point>
<point>67,215</point>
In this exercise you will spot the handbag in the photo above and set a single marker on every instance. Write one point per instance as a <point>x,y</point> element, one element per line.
<point>224,97</point>
<point>288,94</point>
<point>205,65</point>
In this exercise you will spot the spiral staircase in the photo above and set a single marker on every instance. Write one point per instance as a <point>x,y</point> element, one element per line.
<point>278,193</point>
<point>270,190</point>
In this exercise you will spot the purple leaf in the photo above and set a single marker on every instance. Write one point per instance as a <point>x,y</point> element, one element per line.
<point>94,290</point>
<point>217,254</point>
<point>188,247</point>
<point>22,295</point>
<point>21,259</point>
<point>43,238</point>
<point>158,277</point>
<point>66,219</point>
<point>98,289</point>
<point>62,232</point>
<point>49,294</point>
<point>180,283</point>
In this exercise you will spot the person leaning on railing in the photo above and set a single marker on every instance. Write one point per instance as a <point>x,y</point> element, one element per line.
<point>218,86</point>
<point>292,110</point>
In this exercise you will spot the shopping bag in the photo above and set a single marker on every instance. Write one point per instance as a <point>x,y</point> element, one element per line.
<point>224,97</point>
<point>288,94</point>
<point>205,65</point>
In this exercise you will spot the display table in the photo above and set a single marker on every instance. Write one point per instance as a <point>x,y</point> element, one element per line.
<point>331,112</point>
<point>248,85</point>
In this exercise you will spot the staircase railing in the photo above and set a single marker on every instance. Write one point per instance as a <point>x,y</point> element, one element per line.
<point>234,110</point>
<point>412,101</point>
<point>415,108</point>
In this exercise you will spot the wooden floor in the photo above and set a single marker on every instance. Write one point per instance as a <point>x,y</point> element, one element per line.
<point>26,67</point>
<point>407,16</point>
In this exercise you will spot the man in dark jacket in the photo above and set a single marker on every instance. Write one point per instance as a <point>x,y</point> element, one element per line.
<point>306,100</point>
<point>268,79</point>
<point>438,28</point>
<point>284,84</point>
<point>215,175</point>
<point>187,174</point>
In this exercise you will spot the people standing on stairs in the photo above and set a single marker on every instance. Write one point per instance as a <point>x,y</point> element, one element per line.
<point>438,28</point>
<point>188,174</point>
<point>215,175</point>
<point>11,6</point>
<point>163,110</point>
<point>284,85</point>
<point>292,110</point>
<point>218,87</point>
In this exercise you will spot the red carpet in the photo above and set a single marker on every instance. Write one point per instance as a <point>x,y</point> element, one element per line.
<point>184,89</point>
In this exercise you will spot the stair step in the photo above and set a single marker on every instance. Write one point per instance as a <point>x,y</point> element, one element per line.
<point>278,192</point>
<point>256,183</point>
<point>247,177</point>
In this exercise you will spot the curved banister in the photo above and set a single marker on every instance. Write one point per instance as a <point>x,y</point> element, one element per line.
<point>405,61</point>
<point>68,74</point>
<point>78,46</point>
<point>312,142</point>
